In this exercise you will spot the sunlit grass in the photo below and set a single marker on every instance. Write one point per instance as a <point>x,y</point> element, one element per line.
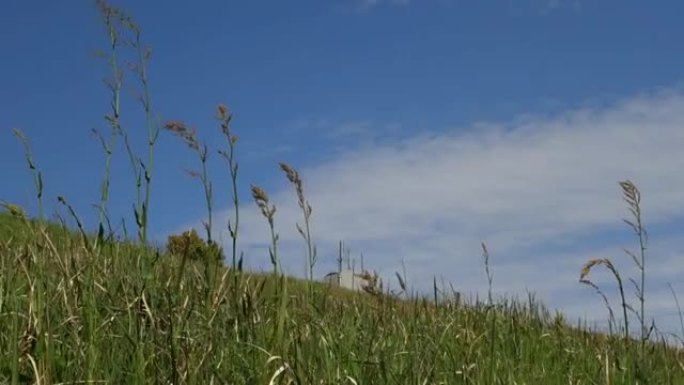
<point>70,315</point>
<point>90,308</point>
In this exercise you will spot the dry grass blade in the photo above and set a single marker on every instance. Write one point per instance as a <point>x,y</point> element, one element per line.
<point>402,284</point>
<point>27,342</point>
<point>14,210</point>
<point>586,269</point>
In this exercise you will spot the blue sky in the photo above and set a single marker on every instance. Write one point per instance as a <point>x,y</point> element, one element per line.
<point>421,127</point>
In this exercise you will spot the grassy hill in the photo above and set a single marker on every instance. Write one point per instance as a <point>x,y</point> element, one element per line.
<point>82,308</point>
<point>120,313</point>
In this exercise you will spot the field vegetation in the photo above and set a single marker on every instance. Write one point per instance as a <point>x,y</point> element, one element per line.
<point>92,306</point>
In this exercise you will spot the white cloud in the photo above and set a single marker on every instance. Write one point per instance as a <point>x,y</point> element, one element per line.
<point>542,192</point>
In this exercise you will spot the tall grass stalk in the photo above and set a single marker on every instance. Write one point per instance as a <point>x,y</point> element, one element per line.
<point>225,118</point>
<point>140,68</point>
<point>280,290</point>
<point>107,147</point>
<point>492,321</point>
<point>295,179</point>
<point>122,25</point>
<point>268,211</point>
<point>679,312</point>
<point>79,224</point>
<point>35,172</point>
<point>111,18</point>
<point>116,21</point>
<point>490,276</point>
<point>586,269</point>
<point>189,137</point>
<point>632,196</point>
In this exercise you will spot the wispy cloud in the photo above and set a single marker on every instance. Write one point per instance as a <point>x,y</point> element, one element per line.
<point>542,192</point>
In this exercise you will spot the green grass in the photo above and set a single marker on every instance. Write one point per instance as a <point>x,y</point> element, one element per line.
<point>86,308</point>
<point>69,315</point>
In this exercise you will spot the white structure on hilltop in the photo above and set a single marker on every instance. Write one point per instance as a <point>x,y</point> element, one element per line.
<point>353,281</point>
<point>349,279</point>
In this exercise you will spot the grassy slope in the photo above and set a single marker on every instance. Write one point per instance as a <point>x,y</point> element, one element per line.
<point>123,314</point>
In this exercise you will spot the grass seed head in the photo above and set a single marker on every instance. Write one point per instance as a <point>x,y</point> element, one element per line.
<point>294,178</point>
<point>259,195</point>
<point>291,173</point>
<point>631,192</point>
<point>261,199</point>
<point>181,130</point>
